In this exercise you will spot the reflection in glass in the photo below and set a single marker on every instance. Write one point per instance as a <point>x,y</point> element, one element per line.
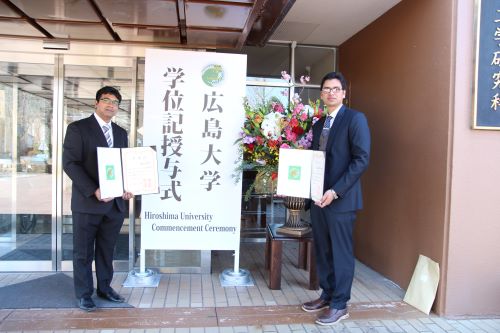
<point>259,94</point>
<point>25,161</point>
<point>80,86</point>
<point>313,61</point>
<point>269,61</point>
<point>265,63</point>
<point>309,94</point>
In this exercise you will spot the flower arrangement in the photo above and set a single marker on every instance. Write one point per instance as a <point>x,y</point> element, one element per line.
<point>269,126</point>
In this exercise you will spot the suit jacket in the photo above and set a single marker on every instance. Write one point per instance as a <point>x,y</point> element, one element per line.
<point>347,155</point>
<point>80,163</point>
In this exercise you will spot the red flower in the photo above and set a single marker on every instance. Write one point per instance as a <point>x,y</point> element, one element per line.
<point>298,130</point>
<point>272,143</point>
<point>274,175</point>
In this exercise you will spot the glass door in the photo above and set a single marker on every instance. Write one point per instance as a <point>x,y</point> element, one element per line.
<point>82,77</point>
<point>26,160</point>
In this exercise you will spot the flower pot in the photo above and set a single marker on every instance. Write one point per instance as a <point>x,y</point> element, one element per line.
<point>294,225</point>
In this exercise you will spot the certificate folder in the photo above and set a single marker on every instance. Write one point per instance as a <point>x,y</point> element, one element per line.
<point>301,173</point>
<point>127,169</point>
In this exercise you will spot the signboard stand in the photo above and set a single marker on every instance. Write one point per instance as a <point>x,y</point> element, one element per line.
<point>236,277</point>
<point>145,278</point>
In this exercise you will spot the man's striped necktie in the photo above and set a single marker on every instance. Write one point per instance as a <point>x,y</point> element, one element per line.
<point>107,134</point>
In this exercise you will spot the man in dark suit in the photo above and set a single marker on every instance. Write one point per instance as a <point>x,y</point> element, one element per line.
<point>96,221</point>
<point>344,136</point>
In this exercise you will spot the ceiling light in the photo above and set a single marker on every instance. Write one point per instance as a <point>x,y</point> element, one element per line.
<point>55,44</point>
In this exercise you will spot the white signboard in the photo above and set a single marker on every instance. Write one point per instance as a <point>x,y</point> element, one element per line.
<point>193,113</point>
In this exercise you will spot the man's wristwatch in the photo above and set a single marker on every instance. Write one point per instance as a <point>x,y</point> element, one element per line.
<point>335,196</point>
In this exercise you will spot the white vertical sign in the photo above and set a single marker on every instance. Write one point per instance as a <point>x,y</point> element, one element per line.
<point>193,113</point>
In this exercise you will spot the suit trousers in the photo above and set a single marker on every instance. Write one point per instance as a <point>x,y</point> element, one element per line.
<point>333,245</point>
<point>94,236</point>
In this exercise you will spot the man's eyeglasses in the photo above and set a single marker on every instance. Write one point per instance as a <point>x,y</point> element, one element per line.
<point>333,90</point>
<point>114,102</point>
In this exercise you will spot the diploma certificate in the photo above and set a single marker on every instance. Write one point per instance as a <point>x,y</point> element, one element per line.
<point>301,173</point>
<point>133,170</point>
<point>317,174</point>
<point>140,170</point>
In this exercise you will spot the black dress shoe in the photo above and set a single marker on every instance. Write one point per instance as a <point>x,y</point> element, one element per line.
<point>111,295</point>
<point>86,304</point>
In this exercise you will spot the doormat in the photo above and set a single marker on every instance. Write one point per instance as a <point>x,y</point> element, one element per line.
<point>52,291</point>
<point>39,247</point>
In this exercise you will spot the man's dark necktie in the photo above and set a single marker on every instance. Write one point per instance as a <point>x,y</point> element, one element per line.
<point>324,134</point>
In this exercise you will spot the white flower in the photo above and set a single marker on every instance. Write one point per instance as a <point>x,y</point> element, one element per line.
<point>309,110</point>
<point>271,125</point>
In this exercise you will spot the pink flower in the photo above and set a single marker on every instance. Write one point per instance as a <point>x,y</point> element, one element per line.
<point>291,136</point>
<point>296,98</point>
<point>304,79</point>
<point>298,108</point>
<point>277,107</point>
<point>285,76</point>
<point>284,146</point>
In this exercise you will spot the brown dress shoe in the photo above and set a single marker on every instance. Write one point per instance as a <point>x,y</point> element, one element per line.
<point>315,306</point>
<point>332,316</point>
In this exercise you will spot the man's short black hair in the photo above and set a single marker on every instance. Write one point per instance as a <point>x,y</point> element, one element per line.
<point>335,75</point>
<point>108,90</point>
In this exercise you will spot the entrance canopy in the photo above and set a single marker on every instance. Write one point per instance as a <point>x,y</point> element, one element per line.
<point>195,24</point>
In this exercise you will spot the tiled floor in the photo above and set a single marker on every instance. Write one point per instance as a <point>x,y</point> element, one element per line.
<point>198,303</point>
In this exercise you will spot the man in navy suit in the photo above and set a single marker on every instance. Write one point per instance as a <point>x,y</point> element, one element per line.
<point>344,136</point>
<point>96,221</point>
